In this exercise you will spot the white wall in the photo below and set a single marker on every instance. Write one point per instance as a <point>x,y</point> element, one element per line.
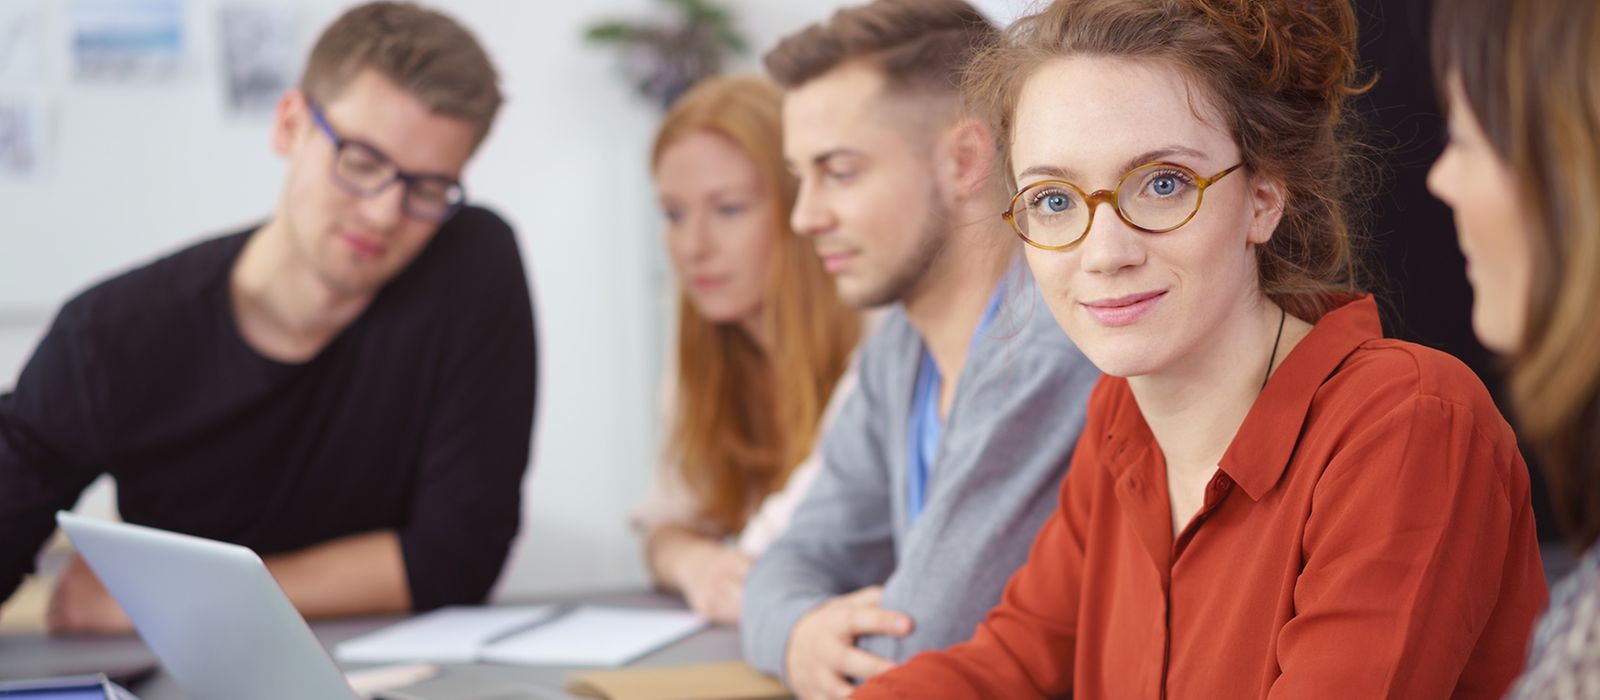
<point>135,170</point>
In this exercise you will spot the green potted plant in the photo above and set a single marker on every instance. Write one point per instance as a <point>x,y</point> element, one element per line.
<point>663,60</point>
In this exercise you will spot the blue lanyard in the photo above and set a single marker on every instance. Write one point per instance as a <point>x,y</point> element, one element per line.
<point>926,430</point>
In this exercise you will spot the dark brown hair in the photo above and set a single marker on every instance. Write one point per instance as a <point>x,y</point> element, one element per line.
<point>1277,71</point>
<point>427,54</point>
<point>1530,72</point>
<point>744,418</point>
<point>922,46</point>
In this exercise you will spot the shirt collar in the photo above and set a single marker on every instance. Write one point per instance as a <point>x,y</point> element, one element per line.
<point>1260,451</point>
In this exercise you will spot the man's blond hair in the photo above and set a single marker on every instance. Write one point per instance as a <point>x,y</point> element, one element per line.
<point>427,54</point>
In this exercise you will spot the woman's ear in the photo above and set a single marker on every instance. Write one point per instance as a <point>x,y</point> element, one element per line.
<point>1268,197</point>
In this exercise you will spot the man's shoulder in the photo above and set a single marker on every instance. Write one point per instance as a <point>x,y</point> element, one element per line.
<point>892,343</point>
<point>474,240</point>
<point>473,253</point>
<point>1025,338</point>
<point>171,283</point>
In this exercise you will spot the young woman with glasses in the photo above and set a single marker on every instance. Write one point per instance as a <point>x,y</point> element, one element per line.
<point>1522,172</point>
<point>762,341</point>
<point>1271,500</point>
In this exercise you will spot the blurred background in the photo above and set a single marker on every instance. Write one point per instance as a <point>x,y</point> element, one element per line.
<point>117,159</point>
<point>130,128</point>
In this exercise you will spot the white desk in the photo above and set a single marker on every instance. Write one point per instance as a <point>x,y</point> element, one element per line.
<point>31,655</point>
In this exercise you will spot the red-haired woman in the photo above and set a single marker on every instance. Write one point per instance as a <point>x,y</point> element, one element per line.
<point>762,342</point>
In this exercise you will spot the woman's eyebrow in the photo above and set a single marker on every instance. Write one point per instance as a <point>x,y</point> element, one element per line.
<point>1056,172</point>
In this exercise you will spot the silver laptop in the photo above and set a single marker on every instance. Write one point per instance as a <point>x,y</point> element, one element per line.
<point>210,611</point>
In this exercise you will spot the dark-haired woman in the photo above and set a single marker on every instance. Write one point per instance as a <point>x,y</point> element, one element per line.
<point>1522,172</point>
<point>1270,500</point>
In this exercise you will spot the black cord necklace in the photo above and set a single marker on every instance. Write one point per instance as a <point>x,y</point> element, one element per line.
<point>1283,315</point>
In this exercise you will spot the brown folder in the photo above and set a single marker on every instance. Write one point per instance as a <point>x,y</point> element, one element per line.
<point>721,681</point>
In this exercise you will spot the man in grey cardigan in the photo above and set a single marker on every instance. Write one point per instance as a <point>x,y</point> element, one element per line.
<point>946,461</point>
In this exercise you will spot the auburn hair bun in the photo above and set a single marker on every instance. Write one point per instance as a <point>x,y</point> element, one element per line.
<point>1305,46</point>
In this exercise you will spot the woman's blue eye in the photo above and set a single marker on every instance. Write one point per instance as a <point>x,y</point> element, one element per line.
<point>1166,184</point>
<point>674,215</point>
<point>731,209</point>
<point>1052,202</point>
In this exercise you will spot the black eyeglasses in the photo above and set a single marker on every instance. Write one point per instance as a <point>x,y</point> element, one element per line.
<point>365,171</point>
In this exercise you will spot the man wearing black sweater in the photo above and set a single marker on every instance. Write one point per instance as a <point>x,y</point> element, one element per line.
<point>348,388</point>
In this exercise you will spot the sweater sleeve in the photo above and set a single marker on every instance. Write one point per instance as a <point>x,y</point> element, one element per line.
<point>1420,547</point>
<point>777,509</point>
<point>51,443</point>
<point>466,503</point>
<point>838,540</point>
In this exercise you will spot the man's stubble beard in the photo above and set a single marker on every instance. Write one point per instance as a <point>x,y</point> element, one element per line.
<point>904,277</point>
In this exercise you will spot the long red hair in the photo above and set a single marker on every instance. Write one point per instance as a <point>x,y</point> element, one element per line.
<point>744,419</point>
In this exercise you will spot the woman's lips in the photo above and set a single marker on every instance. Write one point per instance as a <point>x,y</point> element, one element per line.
<point>1125,310</point>
<point>706,282</point>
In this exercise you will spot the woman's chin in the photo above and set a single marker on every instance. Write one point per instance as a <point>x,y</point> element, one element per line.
<point>1118,353</point>
<point>1116,360</point>
<point>1495,331</point>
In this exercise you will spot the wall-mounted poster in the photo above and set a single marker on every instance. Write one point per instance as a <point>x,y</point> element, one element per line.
<point>21,138</point>
<point>21,42</point>
<point>258,55</point>
<point>126,40</point>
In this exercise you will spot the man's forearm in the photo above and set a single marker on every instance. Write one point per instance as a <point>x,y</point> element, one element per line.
<point>355,575</point>
<point>783,585</point>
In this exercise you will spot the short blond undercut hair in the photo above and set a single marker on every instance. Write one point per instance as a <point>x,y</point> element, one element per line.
<point>922,46</point>
<point>426,53</point>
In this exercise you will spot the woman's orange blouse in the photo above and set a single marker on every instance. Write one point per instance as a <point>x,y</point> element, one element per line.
<point>1368,534</point>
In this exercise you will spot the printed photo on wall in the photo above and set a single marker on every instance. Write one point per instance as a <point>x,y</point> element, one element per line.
<point>259,55</point>
<point>21,138</point>
<point>126,40</point>
<point>22,57</point>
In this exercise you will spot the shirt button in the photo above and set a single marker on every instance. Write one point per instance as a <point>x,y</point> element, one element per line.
<point>1221,483</point>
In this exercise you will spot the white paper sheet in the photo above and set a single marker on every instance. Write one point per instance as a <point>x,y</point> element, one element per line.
<point>447,635</point>
<point>595,636</point>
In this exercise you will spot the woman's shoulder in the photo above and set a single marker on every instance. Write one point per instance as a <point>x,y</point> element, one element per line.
<point>1406,369</point>
<point>1386,379</point>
